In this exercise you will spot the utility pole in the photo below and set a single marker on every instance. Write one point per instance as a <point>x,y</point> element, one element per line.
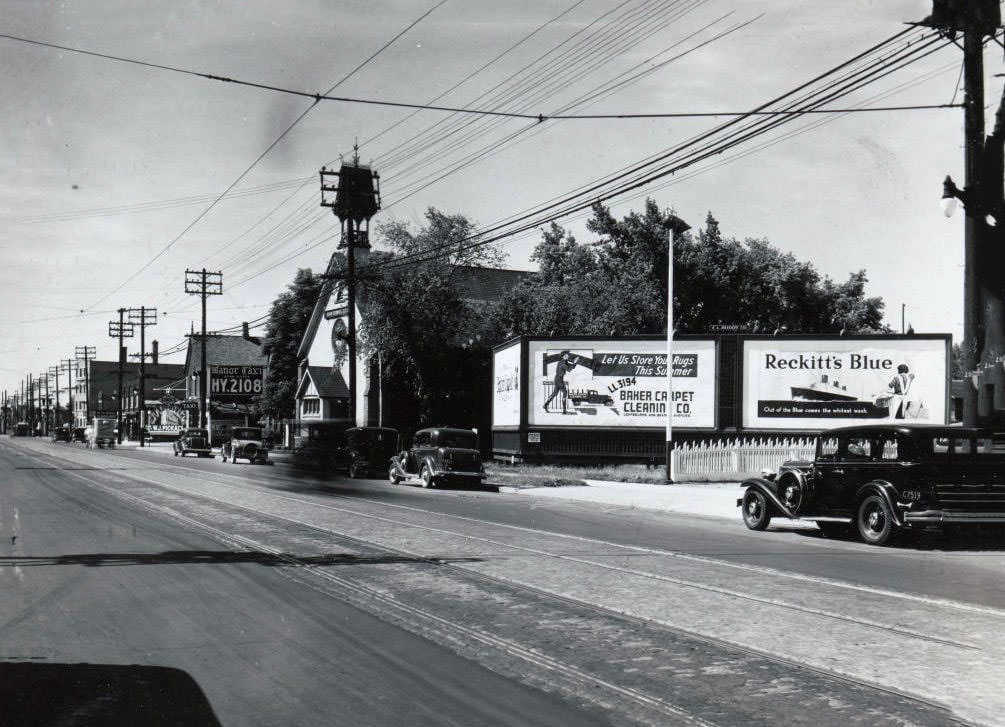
<point>120,329</point>
<point>45,404</point>
<point>204,284</point>
<point>982,321</point>
<point>86,354</point>
<point>31,407</point>
<point>357,199</point>
<point>143,317</point>
<point>676,227</point>
<point>54,373</point>
<point>66,365</point>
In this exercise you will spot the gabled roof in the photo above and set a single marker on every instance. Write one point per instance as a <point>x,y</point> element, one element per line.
<point>328,382</point>
<point>224,351</point>
<point>485,284</point>
<point>474,284</point>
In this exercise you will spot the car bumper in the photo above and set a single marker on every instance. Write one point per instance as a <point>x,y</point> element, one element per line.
<point>928,517</point>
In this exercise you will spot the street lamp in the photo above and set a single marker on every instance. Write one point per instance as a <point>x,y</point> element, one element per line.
<point>951,194</point>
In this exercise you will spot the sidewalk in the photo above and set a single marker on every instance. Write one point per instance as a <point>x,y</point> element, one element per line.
<point>707,500</point>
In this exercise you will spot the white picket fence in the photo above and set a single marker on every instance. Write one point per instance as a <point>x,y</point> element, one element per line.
<point>739,455</point>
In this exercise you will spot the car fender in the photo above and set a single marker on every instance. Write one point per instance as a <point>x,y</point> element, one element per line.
<point>770,490</point>
<point>885,490</point>
<point>431,464</point>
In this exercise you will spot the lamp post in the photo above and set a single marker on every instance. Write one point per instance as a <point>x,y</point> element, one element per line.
<point>676,227</point>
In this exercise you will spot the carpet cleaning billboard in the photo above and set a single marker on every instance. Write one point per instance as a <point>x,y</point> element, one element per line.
<point>612,383</point>
<point>802,383</point>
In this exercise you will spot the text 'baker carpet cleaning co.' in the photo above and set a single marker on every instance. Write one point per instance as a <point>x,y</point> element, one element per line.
<point>622,388</point>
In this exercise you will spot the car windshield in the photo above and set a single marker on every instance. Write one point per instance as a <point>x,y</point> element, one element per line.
<point>247,433</point>
<point>458,440</point>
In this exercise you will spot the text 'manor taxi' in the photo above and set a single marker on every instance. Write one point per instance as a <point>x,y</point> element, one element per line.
<point>886,478</point>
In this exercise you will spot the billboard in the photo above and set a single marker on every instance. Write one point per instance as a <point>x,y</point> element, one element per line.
<point>612,383</point>
<point>823,383</point>
<point>506,387</point>
<point>235,383</point>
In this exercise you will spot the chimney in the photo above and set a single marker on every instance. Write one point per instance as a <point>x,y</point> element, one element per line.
<point>153,353</point>
<point>245,331</point>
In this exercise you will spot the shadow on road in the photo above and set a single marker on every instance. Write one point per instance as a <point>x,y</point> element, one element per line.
<point>216,557</point>
<point>972,539</point>
<point>34,694</point>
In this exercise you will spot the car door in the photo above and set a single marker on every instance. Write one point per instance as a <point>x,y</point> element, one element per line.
<point>853,462</point>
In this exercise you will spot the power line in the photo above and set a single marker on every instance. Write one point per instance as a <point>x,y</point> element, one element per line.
<point>539,117</point>
<point>261,156</point>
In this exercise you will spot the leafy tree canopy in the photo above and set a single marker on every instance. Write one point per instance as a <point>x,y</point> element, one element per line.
<point>286,326</point>
<point>617,285</point>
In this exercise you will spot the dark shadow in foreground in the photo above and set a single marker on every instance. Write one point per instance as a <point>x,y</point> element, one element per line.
<point>215,557</point>
<point>37,695</point>
<point>973,538</point>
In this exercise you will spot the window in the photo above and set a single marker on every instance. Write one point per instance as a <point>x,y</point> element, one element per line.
<point>887,448</point>
<point>312,406</point>
<point>857,448</point>
<point>827,447</point>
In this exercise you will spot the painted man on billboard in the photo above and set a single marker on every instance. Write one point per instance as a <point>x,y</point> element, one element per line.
<point>564,365</point>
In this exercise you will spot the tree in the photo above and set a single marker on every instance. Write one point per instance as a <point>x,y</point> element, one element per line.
<point>433,346</point>
<point>618,284</point>
<point>288,319</point>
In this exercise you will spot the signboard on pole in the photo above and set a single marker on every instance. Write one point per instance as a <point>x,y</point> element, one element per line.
<point>819,383</point>
<point>621,383</point>
<point>235,383</point>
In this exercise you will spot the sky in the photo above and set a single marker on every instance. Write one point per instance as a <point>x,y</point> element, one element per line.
<point>107,165</point>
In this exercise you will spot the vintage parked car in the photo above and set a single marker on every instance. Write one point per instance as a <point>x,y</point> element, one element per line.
<point>80,434</point>
<point>62,433</point>
<point>368,450</point>
<point>246,443</point>
<point>322,445</point>
<point>590,397</point>
<point>882,479</point>
<point>21,429</point>
<point>439,456</point>
<point>194,441</point>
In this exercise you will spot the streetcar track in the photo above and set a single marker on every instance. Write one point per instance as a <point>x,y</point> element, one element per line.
<point>759,569</point>
<point>506,646</point>
<point>640,697</point>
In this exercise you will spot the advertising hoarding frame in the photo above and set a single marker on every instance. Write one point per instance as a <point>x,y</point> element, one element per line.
<point>946,338</point>
<point>524,341</point>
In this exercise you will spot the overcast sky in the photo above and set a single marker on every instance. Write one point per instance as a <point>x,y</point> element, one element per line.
<point>86,142</point>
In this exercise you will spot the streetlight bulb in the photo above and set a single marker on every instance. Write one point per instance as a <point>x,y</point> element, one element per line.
<point>949,206</point>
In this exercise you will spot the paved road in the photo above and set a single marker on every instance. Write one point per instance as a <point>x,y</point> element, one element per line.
<point>273,597</point>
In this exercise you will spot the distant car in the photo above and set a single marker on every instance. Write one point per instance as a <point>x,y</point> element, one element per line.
<point>80,434</point>
<point>102,432</point>
<point>368,450</point>
<point>21,429</point>
<point>193,441</point>
<point>245,443</point>
<point>590,397</point>
<point>882,479</point>
<point>62,434</point>
<point>439,456</point>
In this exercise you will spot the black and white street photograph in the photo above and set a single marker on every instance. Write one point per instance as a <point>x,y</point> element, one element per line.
<point>471,363</point>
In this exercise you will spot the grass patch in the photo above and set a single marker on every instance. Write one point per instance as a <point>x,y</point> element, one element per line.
<point>563,475</point>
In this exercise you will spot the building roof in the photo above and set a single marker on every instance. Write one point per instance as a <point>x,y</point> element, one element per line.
<point>485,284</point>
<point>328,382</point>
<point>223,351</point>
<point>474,284</point>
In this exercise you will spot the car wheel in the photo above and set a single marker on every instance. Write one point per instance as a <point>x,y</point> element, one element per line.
<point>875,522</point>
<point>832,529</point>
<point>756,509</point>
<point>391,477</point>
<point>426,476</point>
